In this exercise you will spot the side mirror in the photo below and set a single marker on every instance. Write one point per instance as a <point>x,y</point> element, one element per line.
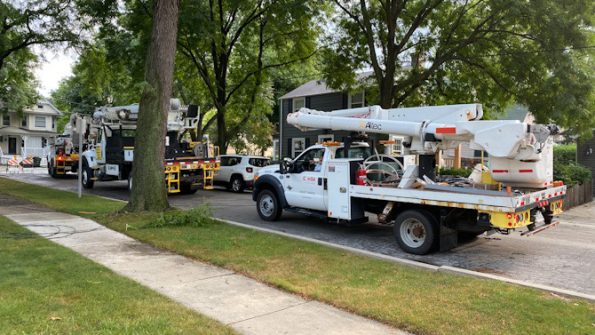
<point>286,165</point>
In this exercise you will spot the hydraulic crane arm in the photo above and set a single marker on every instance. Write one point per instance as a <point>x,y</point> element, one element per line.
<point>434,128</point>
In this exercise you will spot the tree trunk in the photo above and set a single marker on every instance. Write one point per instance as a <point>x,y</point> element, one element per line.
<point>221,130</point>
<point>149,151</point>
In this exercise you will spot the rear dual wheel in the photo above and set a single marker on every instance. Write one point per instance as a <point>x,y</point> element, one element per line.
<point>416,231</point>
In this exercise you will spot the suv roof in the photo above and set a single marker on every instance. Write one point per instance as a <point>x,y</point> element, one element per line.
<point>240,155</point>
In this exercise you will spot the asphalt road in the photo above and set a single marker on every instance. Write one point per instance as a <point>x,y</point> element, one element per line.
<point>562,257</point>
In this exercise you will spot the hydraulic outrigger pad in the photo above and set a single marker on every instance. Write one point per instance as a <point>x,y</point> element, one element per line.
<point>540,229</point>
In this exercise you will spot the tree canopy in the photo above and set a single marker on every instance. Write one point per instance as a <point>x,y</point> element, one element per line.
<point>492,51</point>
<point>25,24</point>
<point>233,46</point>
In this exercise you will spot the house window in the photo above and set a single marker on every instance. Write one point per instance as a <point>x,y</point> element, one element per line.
<point>356,100</point>
<point>276,153</point>
<point>298,145</point>
<point>326,138</point>
<point>44,142</point>
<point>298,103</point>
<point>24,121</point>
<point>396,149</point>
<point>40,121</point>
<point>6,120</point>
<point>53,122</point>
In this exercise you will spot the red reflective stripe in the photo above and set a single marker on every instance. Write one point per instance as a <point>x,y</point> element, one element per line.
<point>526,171</point>
<point>500,171</point>
<point>446,130</point>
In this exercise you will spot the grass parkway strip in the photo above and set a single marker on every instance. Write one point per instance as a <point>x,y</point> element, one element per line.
<point>49,289</point>
<point>405,297</point>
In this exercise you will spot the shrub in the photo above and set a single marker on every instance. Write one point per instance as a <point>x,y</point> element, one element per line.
<point>565,166</point>
<point>571,173</point>
<point>196,217</point>
<point>564,153</point>
<point>461,172</point>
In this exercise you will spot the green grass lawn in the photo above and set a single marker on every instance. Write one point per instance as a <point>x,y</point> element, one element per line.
<point>48,289</point>
<point>409,298</point>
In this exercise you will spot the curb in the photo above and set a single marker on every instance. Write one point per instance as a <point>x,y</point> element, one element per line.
<point>420,265</point>
<point>337,246</point>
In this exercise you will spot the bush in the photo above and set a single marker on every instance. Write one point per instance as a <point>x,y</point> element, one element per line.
<point>461,172</point>
<point>196,217</point>
<point>565,166</point>
<point>564,154</point>
<point>571,173</point>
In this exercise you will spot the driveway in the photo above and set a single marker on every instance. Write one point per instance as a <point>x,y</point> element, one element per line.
<point>562,257</point>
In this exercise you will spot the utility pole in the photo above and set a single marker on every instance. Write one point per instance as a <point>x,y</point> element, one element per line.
<point>80,126</point>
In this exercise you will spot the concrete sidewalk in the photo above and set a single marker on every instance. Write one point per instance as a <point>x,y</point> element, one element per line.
<point>246,305</point>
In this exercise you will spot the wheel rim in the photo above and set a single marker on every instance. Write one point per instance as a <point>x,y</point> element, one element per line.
<point>130,183</point>
<point>267,205</point>
<point>236,185</point>
<point>413,233</point>
<point>85,177</point>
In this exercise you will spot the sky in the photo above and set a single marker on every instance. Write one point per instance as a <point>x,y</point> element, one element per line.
<point>56,66</point>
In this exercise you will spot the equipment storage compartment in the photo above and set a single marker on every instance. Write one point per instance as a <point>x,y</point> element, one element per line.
<point>340,175</point>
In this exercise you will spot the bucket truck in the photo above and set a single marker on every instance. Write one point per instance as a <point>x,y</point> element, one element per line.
<point>109,148</point>
<point>345,181</point>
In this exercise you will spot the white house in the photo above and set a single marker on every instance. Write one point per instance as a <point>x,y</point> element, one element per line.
<point>26,134</point>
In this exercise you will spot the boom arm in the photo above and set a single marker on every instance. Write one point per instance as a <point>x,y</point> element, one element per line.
<point>519,153</point>
<point>433,128</point>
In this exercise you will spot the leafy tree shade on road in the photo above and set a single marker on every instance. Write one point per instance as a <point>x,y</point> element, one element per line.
<point>148,189</point>
<point>492,51</point>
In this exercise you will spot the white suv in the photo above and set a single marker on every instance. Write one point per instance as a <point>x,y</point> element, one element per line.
<point>237,171</point>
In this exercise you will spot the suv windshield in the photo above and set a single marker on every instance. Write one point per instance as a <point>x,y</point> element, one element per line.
<point>258,162</point>
<point>354,152</point>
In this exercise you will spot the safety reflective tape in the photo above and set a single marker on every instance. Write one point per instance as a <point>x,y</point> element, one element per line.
<point>446,130</point>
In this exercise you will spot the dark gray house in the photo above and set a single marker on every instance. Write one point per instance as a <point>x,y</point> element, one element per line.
<point>315,95</point>
<point>585,155</point>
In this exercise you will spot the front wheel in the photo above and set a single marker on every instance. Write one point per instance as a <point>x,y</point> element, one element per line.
<point>267,206</point>
<point>415,231</point>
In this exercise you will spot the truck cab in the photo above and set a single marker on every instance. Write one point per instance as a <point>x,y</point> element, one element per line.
<point>301,184</point>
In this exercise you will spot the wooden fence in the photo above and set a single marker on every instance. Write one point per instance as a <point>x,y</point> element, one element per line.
<point>578,195</point>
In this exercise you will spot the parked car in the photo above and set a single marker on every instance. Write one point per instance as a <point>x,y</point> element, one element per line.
<point>237,171</point>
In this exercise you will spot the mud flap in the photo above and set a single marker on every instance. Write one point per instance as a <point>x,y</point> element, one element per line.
<point>448,238</point>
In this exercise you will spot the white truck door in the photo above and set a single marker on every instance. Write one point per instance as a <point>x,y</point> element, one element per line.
<point>305,184</point>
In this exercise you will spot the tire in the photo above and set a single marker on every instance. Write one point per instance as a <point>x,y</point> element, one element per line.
<point>467,236</point>
<point>51,170</point>
<point>237,184</point>
<point>187,188</point>
<point>130,180</point>
<point>87,172</point>
<point>415,231</point>
<point>267,206</point>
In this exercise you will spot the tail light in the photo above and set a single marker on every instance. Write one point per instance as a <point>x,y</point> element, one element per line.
<point>249,169</point>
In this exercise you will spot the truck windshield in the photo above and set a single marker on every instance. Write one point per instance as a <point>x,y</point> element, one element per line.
<point>354,152</point>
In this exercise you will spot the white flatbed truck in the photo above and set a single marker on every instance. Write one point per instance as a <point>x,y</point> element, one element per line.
<point>325,180</point>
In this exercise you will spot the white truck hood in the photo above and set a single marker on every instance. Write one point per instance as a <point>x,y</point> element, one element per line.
<point>269,169</point>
